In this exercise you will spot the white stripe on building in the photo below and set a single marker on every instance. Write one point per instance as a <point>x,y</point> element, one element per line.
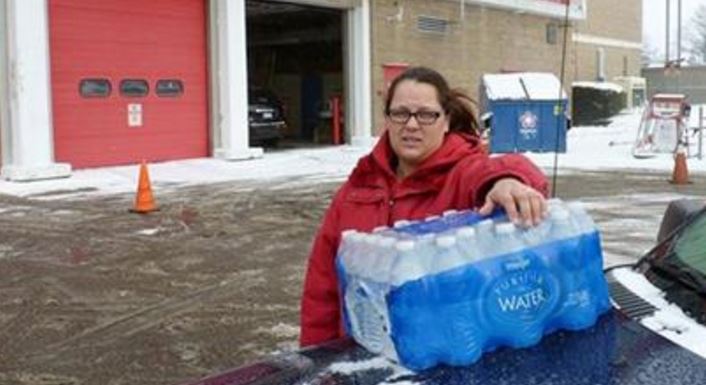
<point>605,41</point>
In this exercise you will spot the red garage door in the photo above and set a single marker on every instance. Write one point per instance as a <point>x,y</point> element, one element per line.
<point>129,80</point>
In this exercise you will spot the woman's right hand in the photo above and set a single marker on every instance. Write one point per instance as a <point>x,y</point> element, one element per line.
<point>523,204</point>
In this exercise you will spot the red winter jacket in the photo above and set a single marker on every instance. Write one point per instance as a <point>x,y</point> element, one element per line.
<point>456,176</point>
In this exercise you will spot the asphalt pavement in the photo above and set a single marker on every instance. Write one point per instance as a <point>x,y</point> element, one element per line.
<point>93,294</point>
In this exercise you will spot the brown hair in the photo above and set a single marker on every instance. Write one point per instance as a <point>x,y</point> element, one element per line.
<point>458,105</point>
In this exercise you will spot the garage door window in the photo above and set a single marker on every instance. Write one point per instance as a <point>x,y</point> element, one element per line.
<point>94,88</point>
<point>134,88</point>
<point>169,88</point>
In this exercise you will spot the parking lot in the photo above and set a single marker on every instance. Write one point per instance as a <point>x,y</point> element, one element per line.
<point>92,294</point>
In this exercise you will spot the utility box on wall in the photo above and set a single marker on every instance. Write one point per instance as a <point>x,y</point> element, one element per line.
<point>527,112</point>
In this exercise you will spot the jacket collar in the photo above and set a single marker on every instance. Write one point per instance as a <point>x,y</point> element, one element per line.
<point>375,169</point>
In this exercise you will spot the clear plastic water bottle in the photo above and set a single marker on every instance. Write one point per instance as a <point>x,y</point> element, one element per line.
<point>408,265</point>
<point>433,225</point>
<point>507,238</point>
<point>351,243</point>
<point>450,217</point>
<point>369,317</point>
<point>401,223</point>
<point>450,212</point>
<point>345,245</point>
<point>562,226</point>
<point>364,252</point>
<point>386,257</point>
<point>538,234</point>
<point>485,236</point>
<point>579,306</point>
<point>426,251</point>
<point>366,289</point>
<point>554,204</point>
<point>448,256</point>
<point>455,219</point>
<point>467,243</point>
<point>370,260</point>
<point>583,220</point>
<point>565,233</point>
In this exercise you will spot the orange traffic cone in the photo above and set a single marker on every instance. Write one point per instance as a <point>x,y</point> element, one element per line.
<point>144,201</point>
<point>680,175</point>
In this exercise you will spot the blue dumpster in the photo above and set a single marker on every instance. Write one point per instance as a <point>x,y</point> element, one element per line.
<point>525,112</point>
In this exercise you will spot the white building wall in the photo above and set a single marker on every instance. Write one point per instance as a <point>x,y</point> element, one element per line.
<point>230,81</point>
<point>359,78</point>
<point>4,123</point>
<point>28,141</point>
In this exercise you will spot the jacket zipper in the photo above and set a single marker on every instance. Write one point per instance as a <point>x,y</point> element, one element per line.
<point>390,206</point>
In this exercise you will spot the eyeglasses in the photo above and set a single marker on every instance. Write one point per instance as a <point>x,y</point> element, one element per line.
<point>423,117</point>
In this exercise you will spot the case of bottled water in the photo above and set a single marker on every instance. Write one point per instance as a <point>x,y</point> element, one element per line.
<point>445,290</point>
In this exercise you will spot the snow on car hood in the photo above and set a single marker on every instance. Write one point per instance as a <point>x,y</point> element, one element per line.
<point>669,320</point>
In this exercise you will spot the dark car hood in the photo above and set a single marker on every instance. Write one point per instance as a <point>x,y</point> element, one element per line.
<point>615,351</point>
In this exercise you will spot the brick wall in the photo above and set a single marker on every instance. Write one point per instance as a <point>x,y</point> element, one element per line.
<point>618,62</point>
<point>615,20</point>
<point>484,40</point>
<point>487,40</point>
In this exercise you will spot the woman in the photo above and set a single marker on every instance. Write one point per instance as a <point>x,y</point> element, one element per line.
<point>428,160</point>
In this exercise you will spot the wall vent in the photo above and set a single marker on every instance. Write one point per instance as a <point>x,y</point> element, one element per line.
<point>432,25</point>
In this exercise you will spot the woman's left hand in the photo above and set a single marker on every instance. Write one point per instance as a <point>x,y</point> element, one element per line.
<point>523,204</point>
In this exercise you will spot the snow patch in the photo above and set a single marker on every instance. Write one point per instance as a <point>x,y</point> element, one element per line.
<point>695,117</point>
<point>149,231</point>
<point>380,362</point>
<point>610,148</point>
<point>281,330</point>
<point>669,321</point>
<point>522,86</point>
<point>543,86</point>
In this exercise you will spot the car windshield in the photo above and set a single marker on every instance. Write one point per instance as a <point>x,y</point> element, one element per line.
<point>690,248</point>
<point>678,266</point>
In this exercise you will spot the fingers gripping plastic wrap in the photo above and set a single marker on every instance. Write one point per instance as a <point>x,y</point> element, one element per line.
<point>445,290</point>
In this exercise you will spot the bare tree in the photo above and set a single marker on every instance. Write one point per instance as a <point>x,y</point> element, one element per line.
<point>696,36</point>
<point>650,55</point>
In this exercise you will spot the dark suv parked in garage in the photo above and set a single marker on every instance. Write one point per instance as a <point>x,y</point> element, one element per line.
<point>266,118</point>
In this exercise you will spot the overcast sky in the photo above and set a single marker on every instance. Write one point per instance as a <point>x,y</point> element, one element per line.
<point>654,21</point>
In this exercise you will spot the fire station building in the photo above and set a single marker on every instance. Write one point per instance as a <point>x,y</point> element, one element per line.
<point>89,83</point>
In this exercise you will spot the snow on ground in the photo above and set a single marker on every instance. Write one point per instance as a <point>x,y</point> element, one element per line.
<point>697,111</point>
<point>318,164</point>
<point>588,148</point>
<point>610,147</point>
